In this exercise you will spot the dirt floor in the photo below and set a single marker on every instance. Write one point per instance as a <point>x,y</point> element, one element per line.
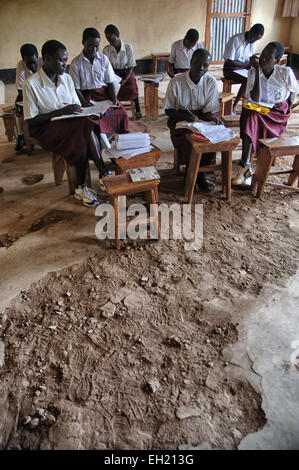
<point>129,349</point>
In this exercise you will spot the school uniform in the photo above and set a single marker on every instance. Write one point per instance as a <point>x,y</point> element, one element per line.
<point>120,61</point>
<point>22,72</point>
<point>181,57</point>
<point>275,91</point>
<point>182,93</point>
<point>237,49</point>
<point>67,137</point>
<point>92,80</point>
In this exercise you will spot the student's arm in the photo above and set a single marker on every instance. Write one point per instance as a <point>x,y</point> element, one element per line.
<point>20,96</point>
<point>41,119</point>
<point>171,62</point>
<point>75,74</point>
<point>84,102</point>
<point>131,63</point>
<point>255,92</point>
<point>179,115</point>
<point>129,71</point>
<point>111,93</point>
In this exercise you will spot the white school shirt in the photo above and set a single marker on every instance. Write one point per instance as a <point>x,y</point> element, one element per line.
<point>41,96</point>
<point>124,58</point>
<point>88,76</point>
<point>238,49</point>
<point>180,56</point>
<point>276,88</point>
<point>182,93</point>
<point>22,72</point>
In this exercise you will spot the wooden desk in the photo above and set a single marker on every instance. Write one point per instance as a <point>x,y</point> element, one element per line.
<point>198,148</point>
<point>162,56</point>
<point>151,100</point>
<point>144,159</point>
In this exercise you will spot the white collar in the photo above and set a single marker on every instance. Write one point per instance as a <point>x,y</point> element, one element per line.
<point>46,80</point>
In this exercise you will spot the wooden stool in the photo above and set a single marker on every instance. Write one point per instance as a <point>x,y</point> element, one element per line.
<point>270,149</point>
<point>231,121</point>
<point>130,105</point>
<point>60,165</point>
<point>226,103</point>
<point>164,57</point>
<point>9,121</point>
<point>198,148</point>
<point>227,84</point>
<point>122,185</point>
<point>29,141</point>
<point>151,99</point>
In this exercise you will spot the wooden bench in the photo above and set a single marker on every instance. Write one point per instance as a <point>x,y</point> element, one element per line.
<point>9,121</point>
<point>226,103</point>
<point>198,148</point>
<point>269,150</point>
<point>231,121</point>
<point>122,185</point>
<point>130,105</point>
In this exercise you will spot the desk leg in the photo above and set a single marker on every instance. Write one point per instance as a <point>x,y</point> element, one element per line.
<point>192,174</point>
<point>114,202</point>
<point>226,159</point>
<point>263,166</point>
<point>155,63</point>
<point>295,173</point>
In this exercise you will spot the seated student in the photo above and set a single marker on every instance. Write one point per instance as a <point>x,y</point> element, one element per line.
<point>269,83</point>
<point>95,80</point>
<point>182,51</point>
<point>122,59</point>
<point>49,93</point>
<point>29,64</point>
<point>237,53</point>
<point>193,93</point>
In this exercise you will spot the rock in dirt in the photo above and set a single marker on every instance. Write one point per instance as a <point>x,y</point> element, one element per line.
<point>26,420</point>
<point>187,412</point>
<point>49,420</point>
<point>33,423</point>
<point>108,310</point>
<point>151,386</point>
<point>33,179</point>
<point>173,341</point>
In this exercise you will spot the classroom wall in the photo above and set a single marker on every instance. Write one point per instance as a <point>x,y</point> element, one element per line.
<point>294,36</point>
<point>150,25</point>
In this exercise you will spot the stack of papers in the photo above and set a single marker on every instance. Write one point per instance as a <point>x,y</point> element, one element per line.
<point>215,133</point>
<point>129,145</point>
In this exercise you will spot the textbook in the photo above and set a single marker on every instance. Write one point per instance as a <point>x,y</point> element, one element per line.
<point>152,78</point>
<point>96,110</point>
<point>214,133</point>
<point>146,173</point>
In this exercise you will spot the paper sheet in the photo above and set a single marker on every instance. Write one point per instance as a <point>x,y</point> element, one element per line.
<point>99,108</point>
<point>243,72</point>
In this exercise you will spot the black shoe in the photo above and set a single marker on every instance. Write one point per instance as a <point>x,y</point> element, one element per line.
<point>20,142</point>
<point>203,183</point>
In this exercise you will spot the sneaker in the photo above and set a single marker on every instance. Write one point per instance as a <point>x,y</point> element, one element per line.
<point>86,195</point>
<point>244,177</point>
<point>20,142</point>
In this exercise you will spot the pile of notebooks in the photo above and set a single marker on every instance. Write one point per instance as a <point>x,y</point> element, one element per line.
<point>130,145</point>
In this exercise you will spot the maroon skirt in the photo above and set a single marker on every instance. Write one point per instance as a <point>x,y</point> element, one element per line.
<point>67,137</point>
<point>128,91</point>
<point>264,126</point>
<point>116,121</point>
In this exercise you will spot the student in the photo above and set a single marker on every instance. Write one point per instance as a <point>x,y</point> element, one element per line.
<point>193,93</point>
<point>95,80</point>
<point>49,93</point>
<point>182,51</point>
<point>122,59</point>
<point>269,83</point>
<point>237,53</point>
<point>29,64</point>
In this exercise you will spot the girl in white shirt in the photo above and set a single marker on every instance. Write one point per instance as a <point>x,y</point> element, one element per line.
<point>271,84</point>
<point>122,59</point>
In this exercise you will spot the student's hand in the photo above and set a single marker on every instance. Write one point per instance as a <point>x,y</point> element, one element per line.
<point>254,62</point>
<point>122,82</point>
<point>86,104</point>
<point>71,109</point>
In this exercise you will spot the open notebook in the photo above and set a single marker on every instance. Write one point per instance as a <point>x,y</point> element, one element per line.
<point>96,110</point>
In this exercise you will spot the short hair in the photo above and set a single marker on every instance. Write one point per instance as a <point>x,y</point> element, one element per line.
<point>51,47</point>
<point>28,50</point>
<point>90,33</point>
<point>258,29</point>
<point>201,51</point>
<point>192,35</point>
<point>111,29</point>
<point>278,47</point>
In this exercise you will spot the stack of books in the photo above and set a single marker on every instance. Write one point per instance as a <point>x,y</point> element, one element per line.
<point>129,145</point>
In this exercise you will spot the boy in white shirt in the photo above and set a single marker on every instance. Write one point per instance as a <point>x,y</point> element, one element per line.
<point>29,64</point>
<point>94,79</point>
<point>238,51</point>
<point>193,93</point>
<point>269,83</point>
<point>122,59</point>
<point>182,52</point>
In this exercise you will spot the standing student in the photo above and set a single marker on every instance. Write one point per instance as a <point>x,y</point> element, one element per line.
<point>50,93</point>
<point>94,79</point>
<point>269,83</point>
<point>182,52</point>
<point>29,64</point>
<point>237,53</point>
<point>193,93</point>
<point>121,56</point>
